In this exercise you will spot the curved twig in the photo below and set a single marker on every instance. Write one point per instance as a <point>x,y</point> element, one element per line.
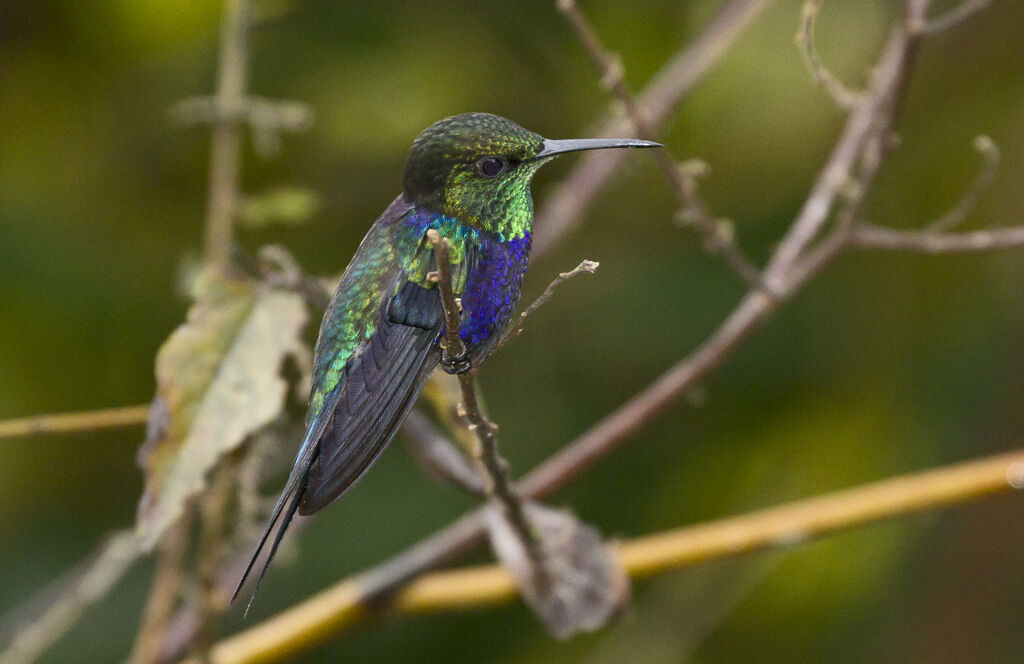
<point>516,328</point>
<point>845,98</point>
<point>955,216</point>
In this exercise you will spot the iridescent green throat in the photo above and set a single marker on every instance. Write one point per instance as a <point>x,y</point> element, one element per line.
<point>503,207</point>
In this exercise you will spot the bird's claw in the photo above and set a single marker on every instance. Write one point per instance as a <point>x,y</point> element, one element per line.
<point>456,364</point>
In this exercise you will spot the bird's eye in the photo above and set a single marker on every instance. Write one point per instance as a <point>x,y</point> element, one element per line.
<point>491,167</point>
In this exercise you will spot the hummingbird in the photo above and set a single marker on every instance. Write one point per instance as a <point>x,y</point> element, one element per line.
<point>467,177</point>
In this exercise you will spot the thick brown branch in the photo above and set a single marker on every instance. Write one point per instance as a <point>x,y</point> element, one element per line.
<point>605,436</point>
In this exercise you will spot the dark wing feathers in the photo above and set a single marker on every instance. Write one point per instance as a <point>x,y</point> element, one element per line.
<point>286,505</point>
<point>359,418</point>
<point>380,387</point>
<point>416,306</point>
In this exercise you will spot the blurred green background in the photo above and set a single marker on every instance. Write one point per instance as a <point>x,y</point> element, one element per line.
<point>887,363</point>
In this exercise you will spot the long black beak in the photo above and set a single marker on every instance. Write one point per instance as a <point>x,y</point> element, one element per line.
<point>552,148</point>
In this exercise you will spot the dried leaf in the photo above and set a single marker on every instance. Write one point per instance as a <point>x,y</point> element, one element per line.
<point>218,381</point>
<point>580,585</point>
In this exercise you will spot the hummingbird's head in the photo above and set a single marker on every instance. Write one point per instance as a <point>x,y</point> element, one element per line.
<point>477,168</point>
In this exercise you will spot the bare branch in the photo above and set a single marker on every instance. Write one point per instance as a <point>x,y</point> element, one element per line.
<point>867,236</point>
<point>989,152</point>
<point>345,605</point>
<point>500,483</point>
<point>758,305</point>
<point>841,95</point>
<point>226,145</point>
<point>607,434</point>
<point>563,208</point>
<point>559,563</point>
<point>452,308</point>
<point>953,17</point>
<point>516,328</point>
<point>612,77</point>
<point>90,420</point>
<point>868,123</point>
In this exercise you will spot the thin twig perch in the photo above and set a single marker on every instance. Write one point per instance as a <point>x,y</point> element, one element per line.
<point>500,482</point>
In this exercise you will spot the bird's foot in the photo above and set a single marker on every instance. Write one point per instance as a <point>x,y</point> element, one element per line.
<point>456,364</point>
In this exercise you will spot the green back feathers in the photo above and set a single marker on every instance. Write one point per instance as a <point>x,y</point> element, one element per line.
<point>390,254</point>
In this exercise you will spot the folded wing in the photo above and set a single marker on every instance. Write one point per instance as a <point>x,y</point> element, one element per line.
<point>380,386</point>
<point>361,414</point>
